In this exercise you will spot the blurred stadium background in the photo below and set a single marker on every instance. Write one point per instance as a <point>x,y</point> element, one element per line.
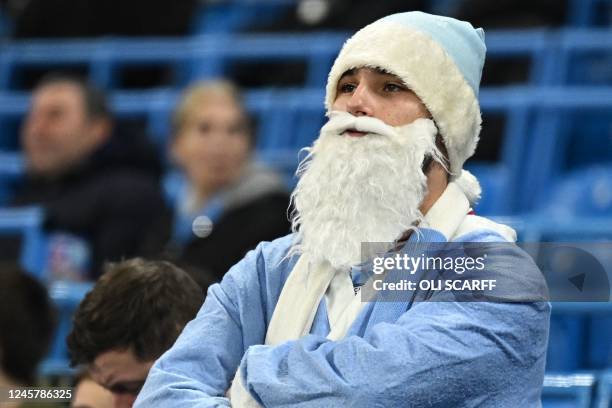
<point>544,161</point>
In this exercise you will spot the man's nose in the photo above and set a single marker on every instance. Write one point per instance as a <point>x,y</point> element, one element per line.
<point>360,102</point>
<point>35,126</point>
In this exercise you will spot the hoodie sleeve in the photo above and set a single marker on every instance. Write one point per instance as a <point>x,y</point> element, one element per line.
<point>438,354</point>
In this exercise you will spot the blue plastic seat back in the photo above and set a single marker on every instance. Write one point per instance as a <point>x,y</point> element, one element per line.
<point>604,391</point>
<point>11,172</point>
<point>26,223</point>
<point>493,179</point>
<point>568,391</point>
<point>586,192</point>
<point>585,54</point>
<point>67,296</point>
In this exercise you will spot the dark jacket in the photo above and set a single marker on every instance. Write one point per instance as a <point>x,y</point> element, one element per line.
<point>112,200</point>
<point>254,210</point>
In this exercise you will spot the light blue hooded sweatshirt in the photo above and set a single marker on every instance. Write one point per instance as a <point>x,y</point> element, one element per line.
<point>396,353</point>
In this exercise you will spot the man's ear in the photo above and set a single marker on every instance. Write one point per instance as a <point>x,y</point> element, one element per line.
<point>101,130</point>
<point>444,151</point>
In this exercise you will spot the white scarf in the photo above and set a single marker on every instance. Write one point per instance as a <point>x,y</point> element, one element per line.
<point>296,308</point>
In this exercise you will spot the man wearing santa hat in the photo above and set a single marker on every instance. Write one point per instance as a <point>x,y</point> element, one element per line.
<point>285,327</point>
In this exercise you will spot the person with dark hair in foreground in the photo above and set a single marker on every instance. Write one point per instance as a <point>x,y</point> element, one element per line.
<point>287,326</point>
<point>100,192</point>
<point>27,323</point>
<point>132,316</point>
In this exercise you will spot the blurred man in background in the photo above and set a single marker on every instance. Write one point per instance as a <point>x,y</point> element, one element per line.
<point>27,323</point>
<point>132,316</point>
<point>100,190</point>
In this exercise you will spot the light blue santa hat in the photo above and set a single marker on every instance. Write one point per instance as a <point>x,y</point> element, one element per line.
<point>439,58</point>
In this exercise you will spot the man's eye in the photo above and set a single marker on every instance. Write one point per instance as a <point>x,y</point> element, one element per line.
<point>391,87</point>
<point>347,88</point>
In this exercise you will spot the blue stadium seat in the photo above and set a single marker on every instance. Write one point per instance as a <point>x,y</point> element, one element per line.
<point>580,336</point>
<point>586,192</point>
<point>494,179</point>
<point>11,171</point>
<point>501,180</point>
<point>580,332</point>
<point>173,183</point>
<point>5,24</point>
<point>154,105</point>
<point>568,390</point>
<point>191,58</point>
<point>66,296</point>
<point>236,15</point>
<point>585,13</point>
<point>101,57</point>
<point>548,152</point>
<point>288,119</point>
<point>585,56</point>
<point>285,162</point>
<point>539,46</point>
<point>317,50</point>
<point>13,107</point>
<point>604,391</point>
<point>26,223</point>
<point>579,209</point>
<point>208,55</point>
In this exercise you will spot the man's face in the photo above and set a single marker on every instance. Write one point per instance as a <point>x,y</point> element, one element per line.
<point>57,131</point>
<point>363,180</point>
<point>122,374</point>
<point>371,92</point>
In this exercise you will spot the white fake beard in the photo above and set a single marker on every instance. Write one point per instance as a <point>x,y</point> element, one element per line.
<point>354,190</point>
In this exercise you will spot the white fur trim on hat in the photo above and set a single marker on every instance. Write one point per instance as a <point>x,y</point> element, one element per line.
<point>427,70</point>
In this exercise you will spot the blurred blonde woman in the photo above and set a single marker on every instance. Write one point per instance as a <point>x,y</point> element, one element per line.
<point>244,202</point>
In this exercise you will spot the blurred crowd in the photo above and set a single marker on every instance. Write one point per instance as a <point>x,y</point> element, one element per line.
<point>104,201</point>
<point>105,187</point>
<point>101,191</point>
